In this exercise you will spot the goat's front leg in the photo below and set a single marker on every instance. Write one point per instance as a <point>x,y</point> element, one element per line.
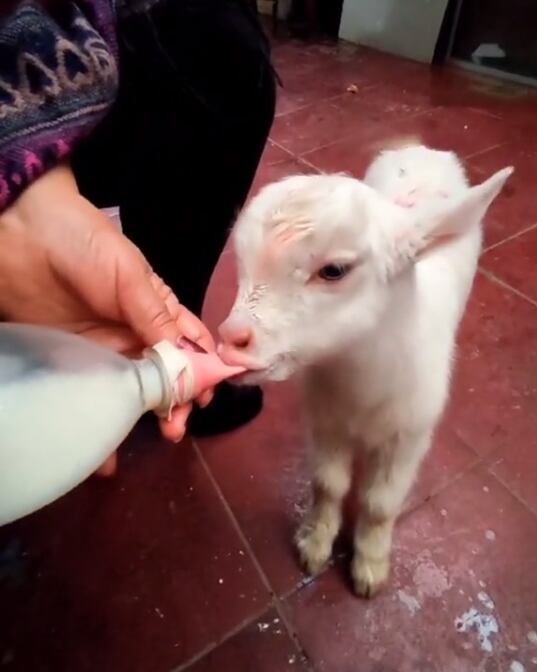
<point>390,471</point>
<point>331,482</point>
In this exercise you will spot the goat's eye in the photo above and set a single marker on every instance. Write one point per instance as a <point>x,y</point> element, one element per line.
<point>333,272</point>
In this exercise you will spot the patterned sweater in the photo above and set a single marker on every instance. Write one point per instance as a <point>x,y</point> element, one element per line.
<point>58,78</point>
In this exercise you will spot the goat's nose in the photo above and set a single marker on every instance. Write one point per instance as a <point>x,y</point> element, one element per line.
<point>237,333</point>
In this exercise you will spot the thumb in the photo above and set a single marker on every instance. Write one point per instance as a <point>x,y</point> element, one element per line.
<point>144,308</point>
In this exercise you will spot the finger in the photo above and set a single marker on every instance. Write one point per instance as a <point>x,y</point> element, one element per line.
<point>193,328</point>
<point>189,325</point>
<point>108,256</point>
<point>166,294</point>
<point>144,308</point>
<point>109,467</point>
<point>205,398</point>
<point>174,429</point>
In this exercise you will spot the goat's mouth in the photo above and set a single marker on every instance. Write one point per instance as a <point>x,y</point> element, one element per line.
<point>276,369</point>
<point>234,357</point>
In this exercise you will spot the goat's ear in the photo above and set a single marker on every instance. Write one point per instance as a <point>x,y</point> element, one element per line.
<point>451,219</point>
<point>469,209</point>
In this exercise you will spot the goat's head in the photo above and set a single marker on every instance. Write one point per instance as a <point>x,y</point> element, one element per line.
<point>317,256</point>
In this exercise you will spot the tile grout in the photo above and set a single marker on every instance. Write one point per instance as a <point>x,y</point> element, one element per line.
<point>294,157</point>
<point>288,151</point>
<point>214,645</point>
<point>264,579</point>
<point>415,115</point>
<point>493,278</point>
<point>507,487</point>
<point>472,464</point>
<point>275,600</point>
<point>480,152</point>
<point>302,155</point>
<point>513,236</point>
<point>328,99</point>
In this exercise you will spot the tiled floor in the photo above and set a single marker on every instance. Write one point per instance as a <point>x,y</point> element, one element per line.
<point>185,561</point>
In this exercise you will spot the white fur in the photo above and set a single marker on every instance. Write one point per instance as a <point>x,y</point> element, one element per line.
<point>373,349</point>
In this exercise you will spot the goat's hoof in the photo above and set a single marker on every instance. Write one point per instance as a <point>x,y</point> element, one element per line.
<point>369,575</point>
<point>314,547</point>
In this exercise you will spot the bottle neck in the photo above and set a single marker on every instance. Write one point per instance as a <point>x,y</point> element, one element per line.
<point>155,390</point>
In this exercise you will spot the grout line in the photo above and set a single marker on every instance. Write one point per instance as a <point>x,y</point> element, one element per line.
<point>474,155</point>
<point>472,464</point>
<point>270,141</point>
<point>275,602</point>
<point>349,135</point>
<point>294,157</point>
<point>367,88</point>
<point>509,238</point>
<point>486,113</point>
<point>302,158</point>
<point>329,99</point>
<point>235,522</point>
<point>490,276</point>
<point>213,645</point>
<point>507,487</point>
<point>309,164</point>
<point>283,148</point>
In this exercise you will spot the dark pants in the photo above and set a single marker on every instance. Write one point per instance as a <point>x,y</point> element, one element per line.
<point>180,149</point>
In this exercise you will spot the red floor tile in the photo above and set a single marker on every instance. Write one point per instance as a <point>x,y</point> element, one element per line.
<point>274,154</point>
<point>134,574</point>
<point>222,290</point>
<point>327,121</point>
<point>517,469</point>
<point>463,131</point>
<point>515,262</point>
<point>494,402</point>
<point>326,75</point>
<point>263,646</point>
<point>295,57</point>
<point>262,471</point>
<point>271,173</point>
<point>448,458</point>
<point>463,566</point>
<point>457,88</point>
<point>515,209</point>
<point>306,86</point>
<point>319,124</point>
<point>300,69</point>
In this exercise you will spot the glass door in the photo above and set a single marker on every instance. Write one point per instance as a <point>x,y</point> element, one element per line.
<point>497,37</point>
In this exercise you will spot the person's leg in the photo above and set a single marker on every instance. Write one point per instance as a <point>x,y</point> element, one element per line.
<point>182,146</point>
<point>198,113</point>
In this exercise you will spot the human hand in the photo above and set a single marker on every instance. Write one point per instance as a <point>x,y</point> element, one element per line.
<point>65,265</point>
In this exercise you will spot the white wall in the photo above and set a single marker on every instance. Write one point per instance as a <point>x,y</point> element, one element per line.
<point>406,28</point>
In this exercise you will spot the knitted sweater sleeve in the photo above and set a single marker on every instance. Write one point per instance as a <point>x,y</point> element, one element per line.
<point>58,78</point>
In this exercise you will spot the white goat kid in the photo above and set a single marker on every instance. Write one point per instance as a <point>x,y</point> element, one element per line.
<point>359,287</point>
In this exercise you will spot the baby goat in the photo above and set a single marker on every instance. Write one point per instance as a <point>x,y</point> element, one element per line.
<point>359,286</point>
